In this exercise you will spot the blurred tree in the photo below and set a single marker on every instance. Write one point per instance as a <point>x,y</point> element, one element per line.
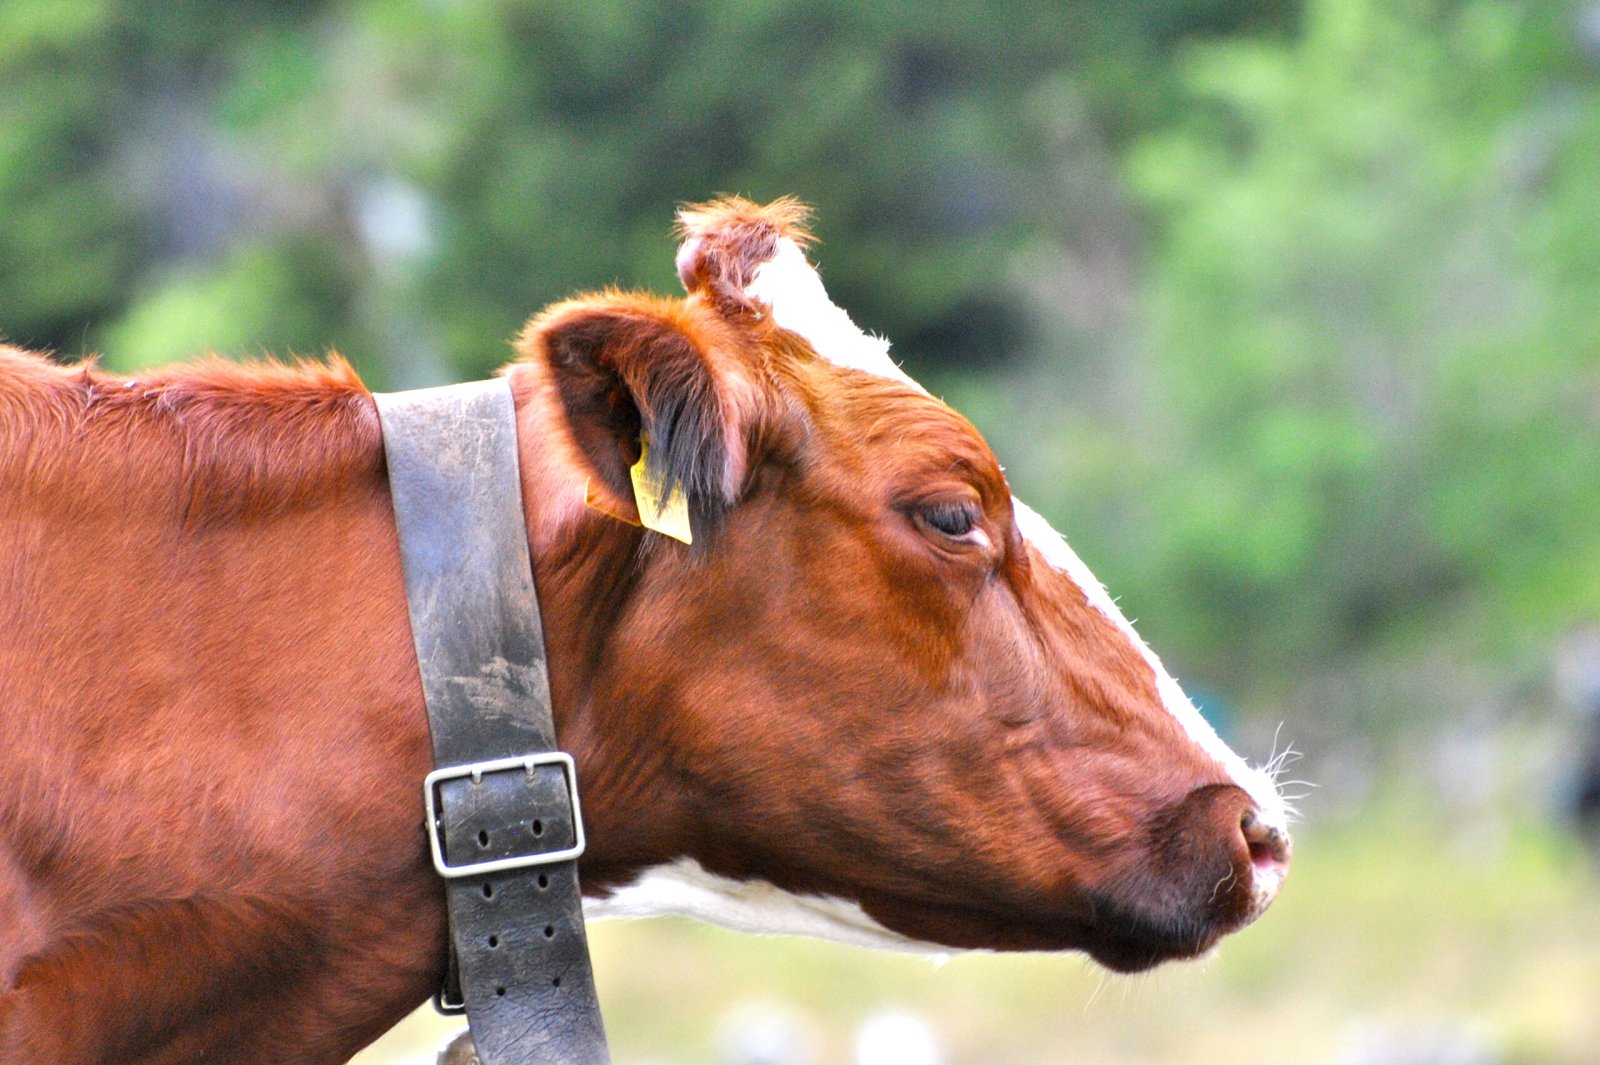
<point>1363,408</point>
<point>126,196</point>
<point>169,158</point>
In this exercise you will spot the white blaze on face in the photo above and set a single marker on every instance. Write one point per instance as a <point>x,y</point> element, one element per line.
<point>791,287</point>
<point>1052,547</point>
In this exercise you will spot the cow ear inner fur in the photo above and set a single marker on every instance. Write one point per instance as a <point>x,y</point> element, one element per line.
<point>632,366</point>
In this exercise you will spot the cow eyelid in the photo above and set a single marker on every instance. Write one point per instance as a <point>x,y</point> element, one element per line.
<point>952,519</point>
<point>956,521</point>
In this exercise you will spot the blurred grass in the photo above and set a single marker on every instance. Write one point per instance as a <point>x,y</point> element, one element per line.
<point>1395,924</point>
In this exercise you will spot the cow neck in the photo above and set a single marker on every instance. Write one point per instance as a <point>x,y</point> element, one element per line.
<point>502,804</point>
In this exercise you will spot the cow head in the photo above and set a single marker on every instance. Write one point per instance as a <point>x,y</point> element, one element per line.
<point>877,698</point>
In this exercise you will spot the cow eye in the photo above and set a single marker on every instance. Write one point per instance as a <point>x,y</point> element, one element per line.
<point>955,520</point>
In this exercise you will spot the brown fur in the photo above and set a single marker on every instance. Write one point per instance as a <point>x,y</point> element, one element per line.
<point>727,240</point>
<point>212,732</point>
<point>231,441</point>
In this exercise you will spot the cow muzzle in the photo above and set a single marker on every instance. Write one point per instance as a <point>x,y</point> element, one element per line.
<point>1212,864</point>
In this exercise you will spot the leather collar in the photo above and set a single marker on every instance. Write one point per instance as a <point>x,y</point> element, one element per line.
<point>502,806</point>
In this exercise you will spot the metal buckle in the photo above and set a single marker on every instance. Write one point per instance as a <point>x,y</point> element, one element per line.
<point>527,763</point>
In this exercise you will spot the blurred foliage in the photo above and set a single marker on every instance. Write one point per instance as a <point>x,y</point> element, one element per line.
<point>1284,309</point>
<point>548,144</point>
<point>1365,409</point>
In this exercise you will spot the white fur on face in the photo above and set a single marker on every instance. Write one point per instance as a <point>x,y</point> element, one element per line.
<point>791,287</point>
<point>1052,547</point>
<point>684,889</point>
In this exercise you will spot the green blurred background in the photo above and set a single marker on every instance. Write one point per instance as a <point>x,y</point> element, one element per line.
<point>1287,312</point>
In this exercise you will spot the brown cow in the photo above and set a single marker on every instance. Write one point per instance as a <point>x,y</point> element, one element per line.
<point>877,699</point>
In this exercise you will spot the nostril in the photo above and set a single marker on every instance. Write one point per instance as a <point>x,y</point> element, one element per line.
<point>1268,843</point>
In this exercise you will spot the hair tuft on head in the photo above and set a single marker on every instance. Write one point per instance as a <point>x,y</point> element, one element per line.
<point>726,240</point>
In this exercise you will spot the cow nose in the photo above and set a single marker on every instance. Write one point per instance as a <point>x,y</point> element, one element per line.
<point>1269,848</point>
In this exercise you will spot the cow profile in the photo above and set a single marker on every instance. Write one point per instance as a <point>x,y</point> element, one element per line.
<point>876,699</point>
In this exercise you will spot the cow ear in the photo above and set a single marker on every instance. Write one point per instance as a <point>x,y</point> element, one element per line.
<point>635,368</point>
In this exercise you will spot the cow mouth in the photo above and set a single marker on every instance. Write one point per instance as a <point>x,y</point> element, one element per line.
<point>1118,937</point>
<point>1129,938</point>
<point>1127,927</point>
<point>1133,945</point>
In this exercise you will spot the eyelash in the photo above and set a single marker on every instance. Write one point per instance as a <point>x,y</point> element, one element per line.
<point>955,520</point>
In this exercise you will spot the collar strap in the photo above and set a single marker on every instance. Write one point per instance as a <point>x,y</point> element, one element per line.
<point>502,808</point>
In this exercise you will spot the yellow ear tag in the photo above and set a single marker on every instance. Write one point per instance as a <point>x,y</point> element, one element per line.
<point>668,516</point>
